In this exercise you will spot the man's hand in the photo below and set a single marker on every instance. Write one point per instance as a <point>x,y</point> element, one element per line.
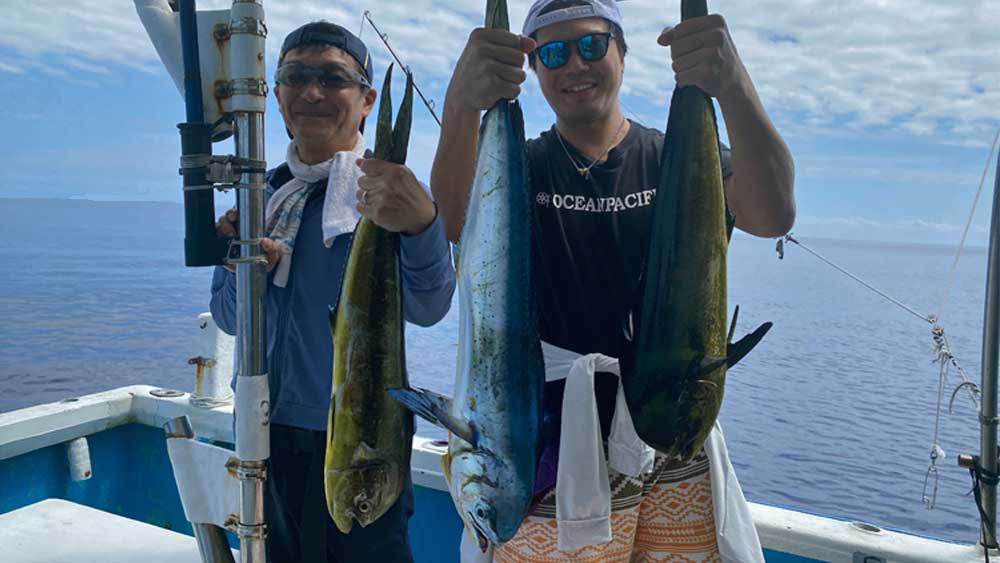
<point>390,195</point>
<point>229,226</point>
<point>490,69</point>
<point>703,55</point>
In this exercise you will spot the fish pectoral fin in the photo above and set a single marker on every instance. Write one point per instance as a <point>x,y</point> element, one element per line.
<point>711,363</point>
<point>737,350</point>
<point>436,409</point>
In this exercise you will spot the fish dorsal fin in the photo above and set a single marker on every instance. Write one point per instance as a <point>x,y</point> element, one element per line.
<point>436,409</point>
<point>736,351</point>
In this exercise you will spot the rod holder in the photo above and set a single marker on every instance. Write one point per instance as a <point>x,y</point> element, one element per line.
<point>213,546</point>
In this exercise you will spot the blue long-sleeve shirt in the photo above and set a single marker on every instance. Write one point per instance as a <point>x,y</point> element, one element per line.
<point>299,345</point>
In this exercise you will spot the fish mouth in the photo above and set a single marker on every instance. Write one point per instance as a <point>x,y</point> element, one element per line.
<point>484,542</point>
<point>345,522</point>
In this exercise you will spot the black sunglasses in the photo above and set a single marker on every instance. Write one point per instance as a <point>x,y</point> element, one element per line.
<point>333,77</point>
<point>591,47</point>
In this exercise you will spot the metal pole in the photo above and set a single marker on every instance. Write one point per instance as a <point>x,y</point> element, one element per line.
<point>249,96</point>
<point>250,285</point>
<point>988,414</point>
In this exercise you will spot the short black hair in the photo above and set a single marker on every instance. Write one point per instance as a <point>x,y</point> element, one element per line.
<point>616,29</point>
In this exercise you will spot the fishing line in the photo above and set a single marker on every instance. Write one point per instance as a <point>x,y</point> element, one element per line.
<point>926,318</point>
<point>367,15</point>
<point>961,245</point>
<point>942,350</point>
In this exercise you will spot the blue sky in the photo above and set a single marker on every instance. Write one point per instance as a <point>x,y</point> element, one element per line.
<point>889,107</point>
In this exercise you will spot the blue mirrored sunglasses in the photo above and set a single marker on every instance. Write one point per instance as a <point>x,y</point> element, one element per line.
<point>591,47</point>
<point>296,75</point>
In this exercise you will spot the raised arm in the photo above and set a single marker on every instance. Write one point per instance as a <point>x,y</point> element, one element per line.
<point>760,191</point>
<point>489,69</point>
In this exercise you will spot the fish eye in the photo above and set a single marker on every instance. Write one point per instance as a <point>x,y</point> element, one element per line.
<point>361,503</point>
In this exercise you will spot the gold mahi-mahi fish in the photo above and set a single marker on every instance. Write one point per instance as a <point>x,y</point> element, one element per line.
<point>369,435</point>
<point>675,366</point>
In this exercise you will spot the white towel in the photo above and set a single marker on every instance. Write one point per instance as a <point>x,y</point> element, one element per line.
<point>583,494</point>
<point>284,210</point>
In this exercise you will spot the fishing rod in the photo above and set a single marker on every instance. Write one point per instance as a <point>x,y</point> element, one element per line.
<point>406,68</point>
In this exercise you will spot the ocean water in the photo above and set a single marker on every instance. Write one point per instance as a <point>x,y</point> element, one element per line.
<point>833,413</point>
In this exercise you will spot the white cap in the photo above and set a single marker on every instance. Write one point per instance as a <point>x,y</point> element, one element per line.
<point>606,9</point>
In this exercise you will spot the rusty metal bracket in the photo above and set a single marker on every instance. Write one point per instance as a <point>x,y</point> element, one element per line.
<point>253,26</point>
<point>240,86</point>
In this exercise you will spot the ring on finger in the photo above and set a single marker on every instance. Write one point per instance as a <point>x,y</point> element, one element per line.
<point>364,197</point>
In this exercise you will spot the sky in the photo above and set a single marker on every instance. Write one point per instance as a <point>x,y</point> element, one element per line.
<point>888,107</point>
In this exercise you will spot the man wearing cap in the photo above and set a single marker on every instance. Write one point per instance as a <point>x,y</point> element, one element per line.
<point>594,175</point>
<point>323,87</point>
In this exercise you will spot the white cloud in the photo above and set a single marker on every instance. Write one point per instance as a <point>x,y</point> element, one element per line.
<point>851,221</point>
<point>829,73</point>
<point>5,67</point>
<point>921,68</point>
<point>865,228</point>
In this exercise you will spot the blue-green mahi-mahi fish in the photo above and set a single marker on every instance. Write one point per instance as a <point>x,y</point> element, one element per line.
<point>675,366</point>
<point>369,436</point>
<point>495,416</point>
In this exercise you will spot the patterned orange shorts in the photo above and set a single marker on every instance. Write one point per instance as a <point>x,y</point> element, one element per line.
<point>664,516</point>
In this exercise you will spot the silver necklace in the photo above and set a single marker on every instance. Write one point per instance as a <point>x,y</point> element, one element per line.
<point>585,170</point>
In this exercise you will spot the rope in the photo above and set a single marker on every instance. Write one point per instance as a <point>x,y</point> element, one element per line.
<point>943,351</point>
<point>936,449</point>
<point>980,476</point>
<point>942,355</point>
<point>968,223</point>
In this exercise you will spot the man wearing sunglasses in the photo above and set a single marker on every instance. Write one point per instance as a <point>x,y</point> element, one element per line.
<point>594,175</point>
<point>323,87</point>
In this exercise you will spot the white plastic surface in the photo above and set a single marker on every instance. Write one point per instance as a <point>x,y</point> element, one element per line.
<point>208,491</point>
<point>164,30</point>
<point>253,411</point>
<point>56,530</point>
<point>212,388</point>
<point>78,459</point>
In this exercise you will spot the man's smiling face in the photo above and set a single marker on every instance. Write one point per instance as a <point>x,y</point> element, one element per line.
<point>318,116</point>
<point>581,91</point>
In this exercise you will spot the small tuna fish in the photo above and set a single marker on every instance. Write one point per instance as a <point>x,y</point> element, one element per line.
<point>495,417</point>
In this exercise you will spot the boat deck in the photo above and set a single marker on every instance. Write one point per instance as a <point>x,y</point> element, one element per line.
<point>131,501</point>
<point>56,530</point>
